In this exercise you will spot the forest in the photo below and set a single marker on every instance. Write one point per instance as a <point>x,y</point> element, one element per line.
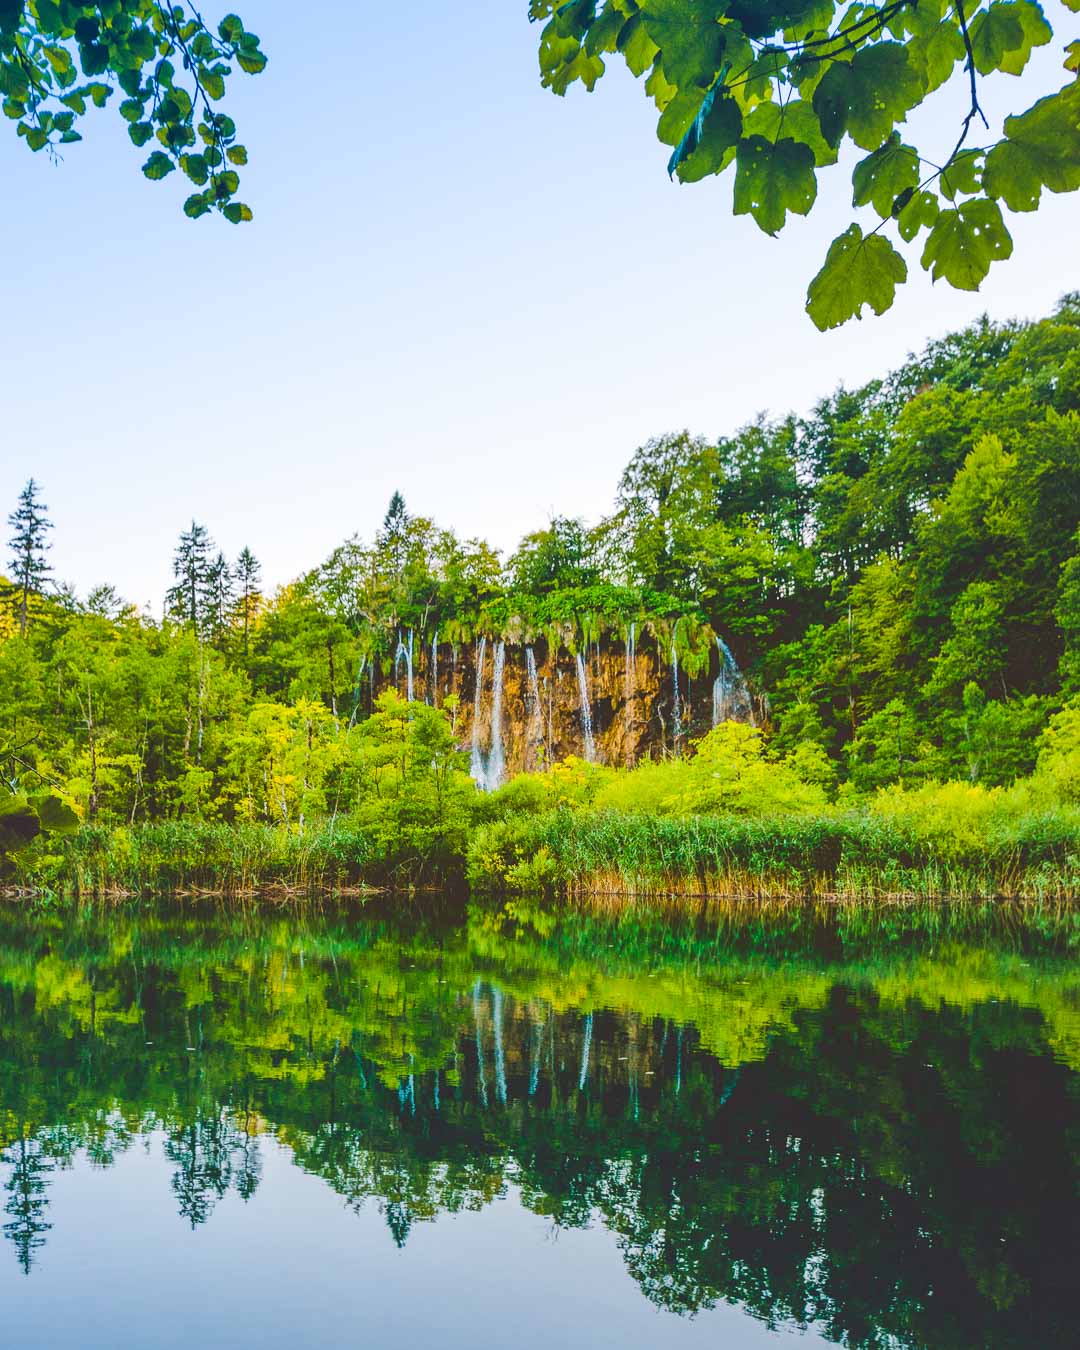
<point>838,651</point>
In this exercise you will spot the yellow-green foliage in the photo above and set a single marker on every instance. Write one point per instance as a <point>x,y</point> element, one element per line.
<point>727,773</point>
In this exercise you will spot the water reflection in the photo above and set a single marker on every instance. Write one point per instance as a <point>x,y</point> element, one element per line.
<point>877,1139</point>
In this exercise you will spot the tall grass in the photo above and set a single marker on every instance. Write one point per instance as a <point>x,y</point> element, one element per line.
<point>854,854</point>
<point>179,856</point>
<point>857,854</point>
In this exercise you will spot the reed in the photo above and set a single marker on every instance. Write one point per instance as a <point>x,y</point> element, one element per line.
<point>853,855</point>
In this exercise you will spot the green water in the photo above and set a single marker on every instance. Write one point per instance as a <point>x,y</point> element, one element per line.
<point>533,1127</point>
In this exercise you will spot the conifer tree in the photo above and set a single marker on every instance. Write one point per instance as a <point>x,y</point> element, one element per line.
<point>392,541</point>
<point>192,565</point>
<point>219,595</point>
<point>248,576</point>
<point>29,547</point>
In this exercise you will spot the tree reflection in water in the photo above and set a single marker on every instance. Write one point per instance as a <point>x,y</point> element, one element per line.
<point>878,1137</point>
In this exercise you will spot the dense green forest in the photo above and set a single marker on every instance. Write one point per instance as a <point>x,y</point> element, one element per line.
<point>897,574</point>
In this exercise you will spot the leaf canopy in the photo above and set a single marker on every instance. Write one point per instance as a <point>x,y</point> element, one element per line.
<point>781,88</point>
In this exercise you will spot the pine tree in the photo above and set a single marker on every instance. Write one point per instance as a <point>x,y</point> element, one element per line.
<point>218,596</point>
<point>392,541</point>
<point>187,600</point>
<point>28,548</point>
<point>248,575</point>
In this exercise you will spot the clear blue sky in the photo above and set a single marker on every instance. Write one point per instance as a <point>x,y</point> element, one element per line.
<point>456,284</point>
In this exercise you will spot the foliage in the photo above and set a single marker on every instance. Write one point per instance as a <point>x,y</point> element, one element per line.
<point>60,57</point>
<point>776,91</point>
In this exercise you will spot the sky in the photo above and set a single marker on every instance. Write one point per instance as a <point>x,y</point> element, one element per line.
<point>456,285</point>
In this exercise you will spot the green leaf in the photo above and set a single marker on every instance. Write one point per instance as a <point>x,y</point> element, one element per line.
<point>158,165</point>
<point>140,133</point>
<point>196,168</point>
<point>237,154</point>
<point>796,119</point>
<point>131,109</point>
<point>196,205</point>
<point>867,96</point>
<point>59,58</point>
<point>254,63</point>
<point>637,47</point>
<point>99,94</point>
<point>963,175</point>
<point>1041,149</point>
<point>858,271</point>
<point>937,52</point>
<point>883,176</point>
<point>771,180</point>
<point>19,823</point>
<point>237,212</point>
<point>55,815</point>
<point>690,38</point>
<point>919,212</point>
<point>231,29</point>
<point>1002,36</point>
<point>964,241</point>
<point>213,83</point>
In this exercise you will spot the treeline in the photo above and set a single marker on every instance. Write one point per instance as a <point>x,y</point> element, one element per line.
<point>898,573</point>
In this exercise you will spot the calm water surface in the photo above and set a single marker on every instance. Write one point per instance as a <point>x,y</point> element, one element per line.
<point>529,1128</point>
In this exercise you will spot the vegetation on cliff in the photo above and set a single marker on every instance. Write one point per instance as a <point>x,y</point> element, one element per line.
<point>898,574</point>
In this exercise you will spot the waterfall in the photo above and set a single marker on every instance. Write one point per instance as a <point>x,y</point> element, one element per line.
<point>676,702</point>
<point>535,711</point>
<point>433,672</point>
<point>409,665</point>
<point>481,1080</point>
<point>399,657</point>
<point>586,1043</point>
<point>586,709</point>
<point>496,765</point>
<point>476,759</point>
<point>730,696</point>
<point>630,686</point>
<point>500,1057</point>
<point>359,690</point>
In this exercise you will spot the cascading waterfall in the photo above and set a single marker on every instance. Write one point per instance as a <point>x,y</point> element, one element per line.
<point>630,685</point>
<point>730,695</point>
<point>676,701</point>
<point>496,765</point>
<point>399,657</point>
<point>409,666</point>
<point>586,710</point>
<point>535,711</point>
<point>476,759</point>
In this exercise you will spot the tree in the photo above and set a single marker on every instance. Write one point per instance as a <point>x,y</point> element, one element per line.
<point>247,576</point>
<point>776,89</point>
<point>29,546</point>
<point>58,57</point>
<point>219,595</point>
<point>193,570</point>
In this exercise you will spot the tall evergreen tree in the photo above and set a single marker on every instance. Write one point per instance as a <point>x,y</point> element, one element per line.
<point>192,565</point>
<point>248,576</point>
<point>219,595</point>
<point>392,540</point>
<point>29,547</point>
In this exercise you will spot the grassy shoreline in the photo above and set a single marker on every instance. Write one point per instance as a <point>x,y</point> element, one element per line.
<point>577,855</point>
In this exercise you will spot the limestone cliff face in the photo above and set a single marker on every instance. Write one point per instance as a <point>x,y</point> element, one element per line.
<point>632,709</point>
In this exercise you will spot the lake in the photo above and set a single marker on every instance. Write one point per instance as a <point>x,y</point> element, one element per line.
<point>452,1123</point>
